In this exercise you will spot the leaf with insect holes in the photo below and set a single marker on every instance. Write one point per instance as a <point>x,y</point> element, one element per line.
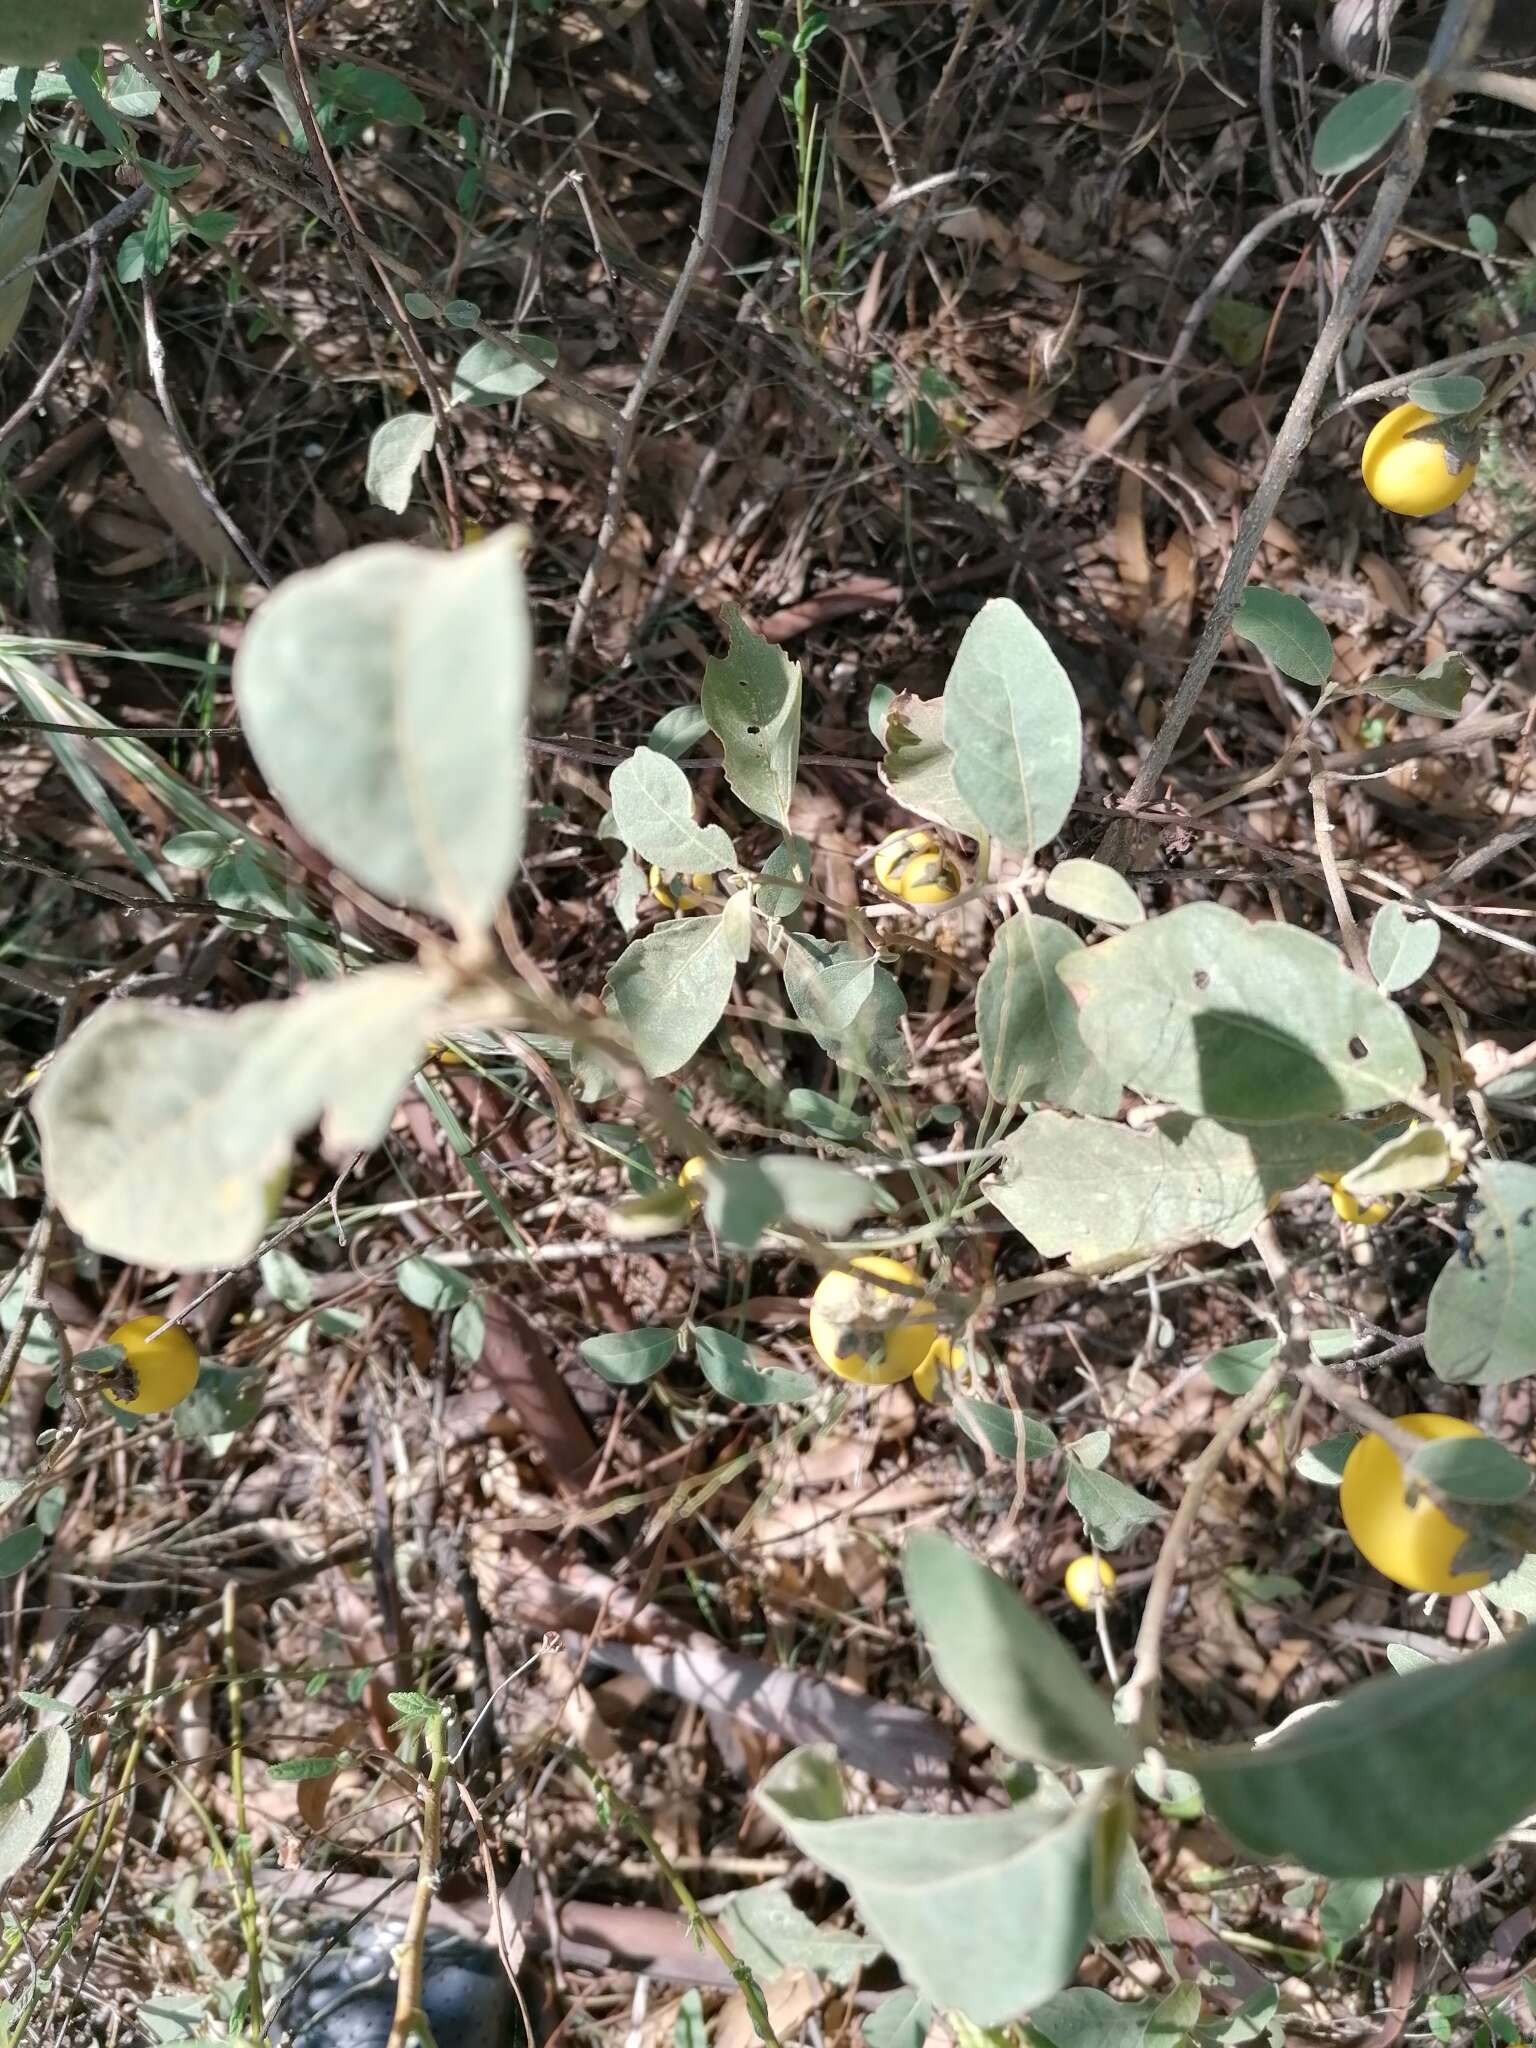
<point>653,811</point>
<point>1031,1047</point>
<point>494,372</point>
<point>919,768</point>
<point>162,1129</point>
<point>1363,122</point>
<point>1482,1308</point>
<point>385,699</point>
<point>1253,1023</point>
<point>1288,631</point>
<point>751,697</point>
<point>1090,889</point>
<point>1012,722</point>
<point>628,1358</point>
<point>1009,1670</point>
<point>670,989</point>
<point>1401,949</point>
<point>948,1893</point>
<point>394,457</point>
<point>31,34</point>
<point>31,1793</point>
<point>22,220</point>
<point>1327,1791</point>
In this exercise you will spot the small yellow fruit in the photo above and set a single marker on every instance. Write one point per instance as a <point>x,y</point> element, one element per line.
<point>160,1370</point>
<point>1415,1545</point>
<point>896,1331</point>
<point>1088,1580</point>
<point>944,1355</point>
<point>681,892</point>
<point>1412,476</point>
<point>913,867</point>
<point>689,1175</point>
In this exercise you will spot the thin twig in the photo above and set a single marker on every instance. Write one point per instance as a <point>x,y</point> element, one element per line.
<point>1469,358</point>
<point>1322,827</point>
<point>1461,31</point>
<point>84,306</point>
<point>1269,21</point>
<point>410,1956</point>
<point>650,369</point>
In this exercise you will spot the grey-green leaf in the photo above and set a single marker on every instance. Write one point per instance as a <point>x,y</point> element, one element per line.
<point>653,809</point>
<point>744,1197</point>
<point>1288,631</point>
<point>20,1548</point>
<point>1323,1462</point>
<point>1482,1308</point>
<point>1008,1669</point>
<point>770,1934</point>
<point>1255,1023</point>
<point>394,456</point>
<point>1447,396</point>
<point>1012,722</point>
<point>1408,1160</point>
<point>1363,122</point>
<point>1473,1468</point>
<point>225,1400</point>
<point>1031,1047</point>
<point>994,1425</point>
<point>1329,1791</point>
<point>751,697</point>
<point>492,372</point>
<point>628,1358</point>
<point>22,220</point>
<point>789,865</point>
<point>948,1893</point>
<point>919,769</point>
<point>1401,949</point>
<point>32,35</point>
<point>385,697</point>
<point>431,1286</point>
<point>900,2020</point>
<point>1437,691</point>
<point>850,1005</point>
<point>671,988</point>
<point>1111,1511</point>
<point>1090,889</point>
<point>730,1367</point>
<point>31,1792</point>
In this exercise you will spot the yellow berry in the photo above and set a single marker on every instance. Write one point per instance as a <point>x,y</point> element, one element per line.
<point>1412,476</point>
<point>159,1371</point>
<point>681,892</point>
<point>1088,1580</point>
<point>1415,1545</point>
<point>689,1175</point>
<point>913,867</point>
<point>871,1333</point>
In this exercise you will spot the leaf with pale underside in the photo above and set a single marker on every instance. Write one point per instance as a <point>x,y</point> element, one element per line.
<point>671,988</point>
<point>751,697</point>
<point>653,810</point>
<point>1012,722</point>
<point>919,769</point>
<point>1031,1047</point>
<point>1482,1308</point>
<point>394,458</point>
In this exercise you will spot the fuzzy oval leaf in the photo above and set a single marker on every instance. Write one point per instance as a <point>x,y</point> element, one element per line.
<point>1288,631</point>
<point>1436,691</point>
<point>1401,948</point>
<point>994,1426</point>
<point>1009,1670</point>
<point>492,372</point>
<point>431,1286</point>
<point>225,1400</point>
<point>1256,1023</point>
<point>1363,122</point>
<point>1097,1191</point>
<point>769,1933</point>
<point>1323,1462</point>
<point>948,1893</point>
<point>20,1548</point>
<point>31,34</point>
<point>1111,1511</point>
<point>1482,1308</point>
<point>900,2020</point>
<point>653,810</point>
<point>1090,889</point>
<point>1329,1791</point>
<point>1012,723</point>
<point>789,866</point>
<point>394,456</point>
<point>731,1369</point>
<point>919,769</point>
<point>1473,1468</point>
<point>31,1793</point>
<point>671,988</point>
<point>1447,396</point>
<point>161,1128</point>
<point>628,1358</point>
<point>850,1005</point>
<point>22,220</point>
<point>751,697</point>
<point>1031,1047</point>
<point>385,697</point>
<point>745,1197</point>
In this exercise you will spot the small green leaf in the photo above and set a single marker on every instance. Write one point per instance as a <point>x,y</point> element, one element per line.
<point>22,1547</point>
<point>745,1197</point>
<point>1012,722</point>
<point>22,220</point>
<point>1473,1468</point>
<point>790,866</point>
<point>751,697</point>
<point>1402,1164</point>
<point>493,372</point>
<point>31,1793</point>
<point>678,731</point>
<point>1268,1587</point>
<point>671,988</point>
<point>1362,123</point>
<point>295,1770</point>
<point>824,1117</point>
<point>1346,1911</point>
<point>1484,237</point>
<point>1090,889</point>
<point>414,1706</point>
<point>1288,631</point>
<point>1111,1511</point>
<point>194,851</point>
<point>466,1335</point>
<point>394,456</point>
<point>226,1399</point>
<point>1031,1047</point>
<point>1482,1308</point>
<point>361,89</point>
<point>728,1365</point>
<point>1238,1368</point>
<point>1447,396</point>
<point>628,1358</point>
<point>1402,949</point>
<point>689,2029</point>
<point>1323,1462</point>
<point>1238,328</point>
<point>432,1287</point>
<point>850,1005</point>
<point>993,1425</point>
<point>1009,1670</point>
<point>1436,691</point>
<point>286,1281</point>
<point>653,811</point>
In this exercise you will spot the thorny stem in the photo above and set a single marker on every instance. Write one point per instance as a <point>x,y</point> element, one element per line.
<point>411,1955</point>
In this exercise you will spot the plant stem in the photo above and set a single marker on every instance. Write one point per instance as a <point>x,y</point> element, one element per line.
<point>245,1876</point>
<point>410,1956</point>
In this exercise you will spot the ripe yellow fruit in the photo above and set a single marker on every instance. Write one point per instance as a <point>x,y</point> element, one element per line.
<point>681,892</point>
<point>1415,1545</point>
<point>1088,1580</point>
<point>160,1371</point>
<point>1414,477</point>
<point>873,1334</point>
<point>913,867</point>
<point>688,1177</point>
